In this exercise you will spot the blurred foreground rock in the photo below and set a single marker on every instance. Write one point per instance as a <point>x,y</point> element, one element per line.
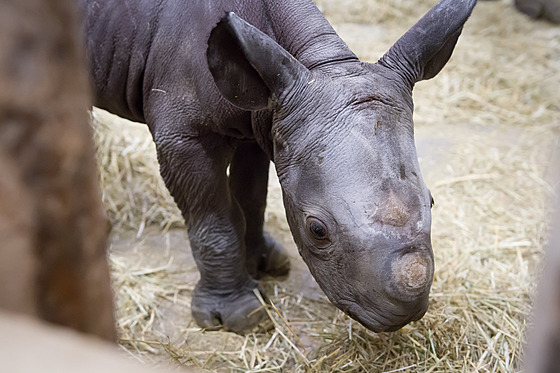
<point>53,230</point>
<point>28,346</point>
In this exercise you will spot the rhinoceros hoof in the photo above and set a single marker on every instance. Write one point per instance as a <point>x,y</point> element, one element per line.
<point>239,312</point>
<point>272,263</point>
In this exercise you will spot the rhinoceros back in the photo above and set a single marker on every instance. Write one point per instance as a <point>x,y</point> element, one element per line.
<point>118,39</point>
<point>142,48</point>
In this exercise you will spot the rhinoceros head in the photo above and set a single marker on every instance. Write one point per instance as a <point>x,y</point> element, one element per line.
<point>344,150</point>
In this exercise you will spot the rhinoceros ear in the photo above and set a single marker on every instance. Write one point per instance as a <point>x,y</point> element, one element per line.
<point>249,68</point>
<point>423,50</point>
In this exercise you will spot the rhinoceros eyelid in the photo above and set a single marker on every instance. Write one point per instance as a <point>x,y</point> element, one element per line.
<point>375,99</point>
<point>321,214</point>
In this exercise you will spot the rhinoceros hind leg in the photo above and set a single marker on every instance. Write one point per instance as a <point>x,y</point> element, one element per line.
<point>248,181</point>
<point>273,262</point>
<point>532,8</point>
<point>540,9</point>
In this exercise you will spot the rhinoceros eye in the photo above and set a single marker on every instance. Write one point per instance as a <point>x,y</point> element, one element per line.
<point>317,229</point>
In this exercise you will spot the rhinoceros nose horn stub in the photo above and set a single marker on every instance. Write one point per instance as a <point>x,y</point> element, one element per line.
<point>413,272</point>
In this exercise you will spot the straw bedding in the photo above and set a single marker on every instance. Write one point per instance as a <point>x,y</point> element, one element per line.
<point>487,128</point>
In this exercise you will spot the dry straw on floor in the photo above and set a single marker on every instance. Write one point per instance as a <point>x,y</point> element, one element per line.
<point>489,222</point>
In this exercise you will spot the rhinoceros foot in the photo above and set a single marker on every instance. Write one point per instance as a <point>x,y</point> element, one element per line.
<point>270,261</point>
<point>239,312</point>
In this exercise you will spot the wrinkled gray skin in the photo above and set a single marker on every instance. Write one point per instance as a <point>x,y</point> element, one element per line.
<point>540,9</point>
<point>340,132</point>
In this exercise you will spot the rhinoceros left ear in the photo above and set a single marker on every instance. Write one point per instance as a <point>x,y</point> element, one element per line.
<point>250,68</point>
<point>423,51</point>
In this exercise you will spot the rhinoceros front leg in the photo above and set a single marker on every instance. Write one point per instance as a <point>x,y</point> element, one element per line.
<point>249,182</point>
<point>194,170</point>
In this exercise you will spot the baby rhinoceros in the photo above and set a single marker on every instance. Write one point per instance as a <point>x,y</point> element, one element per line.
<point>239,83</point>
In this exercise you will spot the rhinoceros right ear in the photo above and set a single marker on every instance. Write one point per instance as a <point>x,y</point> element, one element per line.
<point>250,68</point>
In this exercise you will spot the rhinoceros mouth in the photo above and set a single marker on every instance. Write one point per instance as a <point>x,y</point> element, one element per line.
<point>377,322</point>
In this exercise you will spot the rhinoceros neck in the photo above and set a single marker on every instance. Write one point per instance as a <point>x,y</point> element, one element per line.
<point>304,32</point>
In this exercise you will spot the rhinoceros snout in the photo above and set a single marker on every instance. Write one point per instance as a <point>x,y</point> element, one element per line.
<point>397,297</point>
<point>407,288</point>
